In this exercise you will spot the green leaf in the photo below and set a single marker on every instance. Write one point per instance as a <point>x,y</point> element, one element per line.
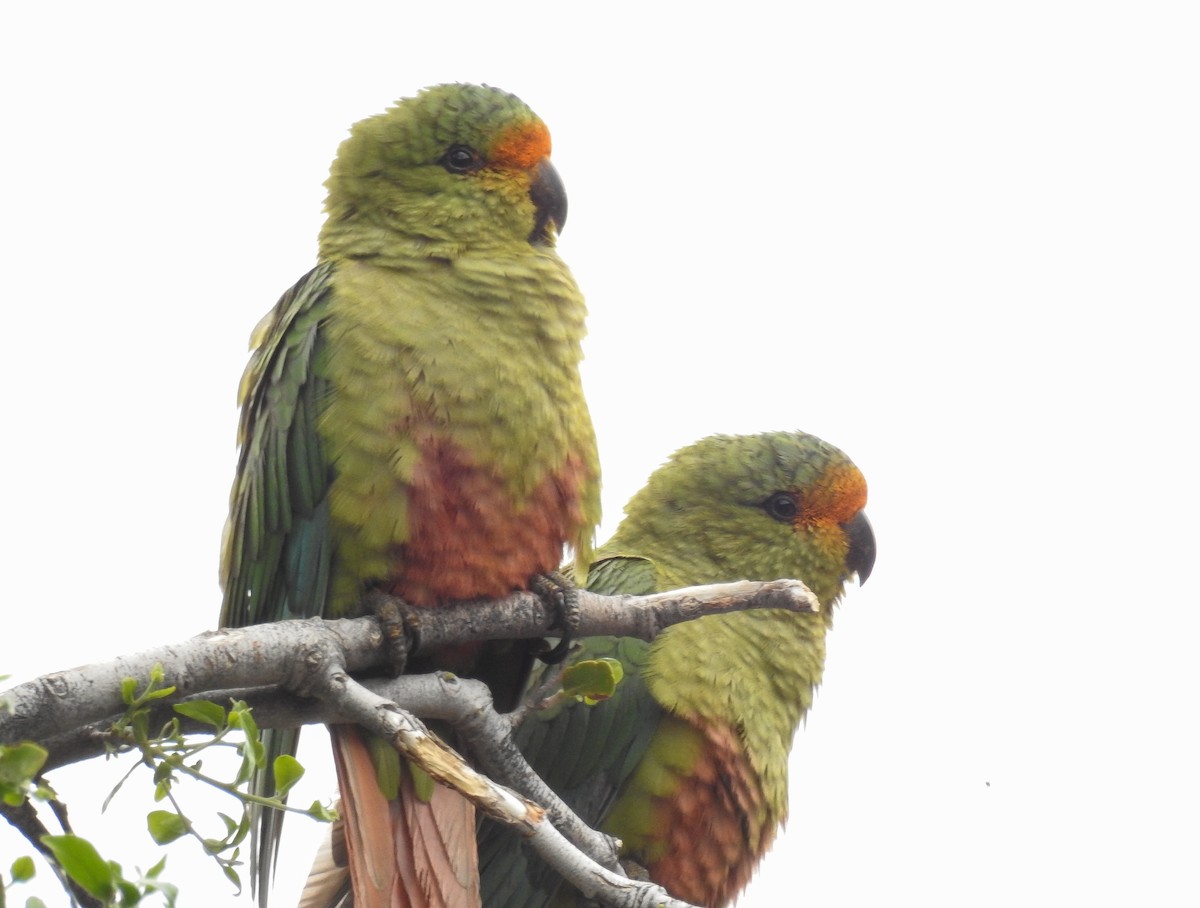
<point>203,711</point>
<point>319,811</point>
<point>243,830</point>
<point>165,826</point>
<point>34,902</point>
<point>593,679</point>
<point>288,772</point>
<point>232,876</point>
<point>169,891</point>
<point>139,724</point>
<point>128,690</point>
<point>423,783</point>
<point>43,792</point>
<point>81,862</point>
<point>388,768</point>
<point>130,894</point>
<point>240,717</point>
<point>159,693</point>
<point>19,763</point>
<point>23,869</point>
<point>235,834</point>
<point>154,871</point>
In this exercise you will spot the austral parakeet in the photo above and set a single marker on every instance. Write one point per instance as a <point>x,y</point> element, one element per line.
<point>687,762</point>
<point>413,421</point>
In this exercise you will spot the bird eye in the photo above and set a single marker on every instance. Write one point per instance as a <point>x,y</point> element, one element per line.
<point>781,506</point>
<point>461,159</point>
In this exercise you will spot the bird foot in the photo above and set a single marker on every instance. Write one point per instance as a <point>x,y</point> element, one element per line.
<point>636,871</point>
<point>401,630</point>
<point>561,596</point>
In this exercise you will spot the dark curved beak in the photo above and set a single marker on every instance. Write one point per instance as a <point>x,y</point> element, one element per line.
<point>861,557</point>
<point>550,199</point>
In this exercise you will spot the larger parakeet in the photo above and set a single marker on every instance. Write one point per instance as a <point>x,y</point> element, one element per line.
<point>687,762</point>
<point>413,421</point>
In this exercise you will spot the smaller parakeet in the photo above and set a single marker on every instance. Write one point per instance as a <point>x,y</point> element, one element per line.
<point>687,762</point>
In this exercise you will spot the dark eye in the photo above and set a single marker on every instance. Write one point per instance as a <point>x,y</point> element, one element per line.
<point>461,159</point>
<point>781,506</point>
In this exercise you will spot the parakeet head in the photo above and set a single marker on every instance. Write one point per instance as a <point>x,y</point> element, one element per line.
<point>759,507</point>
<point>455,167</point>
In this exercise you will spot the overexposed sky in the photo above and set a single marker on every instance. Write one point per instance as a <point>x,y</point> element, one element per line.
<point>957,240</point>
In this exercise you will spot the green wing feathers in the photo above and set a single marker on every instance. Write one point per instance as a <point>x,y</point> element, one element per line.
<point>277,551</point>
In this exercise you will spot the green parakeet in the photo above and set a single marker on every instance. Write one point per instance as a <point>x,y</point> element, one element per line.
<point>413,421</point>
<point>687,762</point>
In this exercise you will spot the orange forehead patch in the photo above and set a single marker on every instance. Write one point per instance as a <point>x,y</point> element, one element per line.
<point>521,146</point>
<point>841,493</point>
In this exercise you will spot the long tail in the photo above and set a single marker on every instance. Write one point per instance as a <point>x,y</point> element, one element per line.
<point>328,883</point>
<point>406,853</point>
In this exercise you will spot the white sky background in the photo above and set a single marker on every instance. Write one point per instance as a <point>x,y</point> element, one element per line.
<point>957,240</point>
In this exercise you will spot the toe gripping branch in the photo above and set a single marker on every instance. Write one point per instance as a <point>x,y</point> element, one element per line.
<point>561,597</point>
<point>401,632</point>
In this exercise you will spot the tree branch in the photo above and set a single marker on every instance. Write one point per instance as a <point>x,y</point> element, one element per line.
<point>315,657</point>
<point>286,652</point>
<point>24,818</point>
<point>409,736</point>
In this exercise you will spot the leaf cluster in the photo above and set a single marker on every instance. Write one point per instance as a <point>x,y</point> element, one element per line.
<point>171,756</point>
<point>75,860</point>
